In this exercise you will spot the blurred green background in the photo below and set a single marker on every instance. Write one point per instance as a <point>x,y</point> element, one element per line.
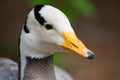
<point>96,23</point>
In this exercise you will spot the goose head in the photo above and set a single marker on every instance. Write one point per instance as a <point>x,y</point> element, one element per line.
<point>48,30</point>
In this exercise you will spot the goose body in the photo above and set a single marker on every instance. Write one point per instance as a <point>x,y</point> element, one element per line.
<point>46,30</point>
<point>9,71</point>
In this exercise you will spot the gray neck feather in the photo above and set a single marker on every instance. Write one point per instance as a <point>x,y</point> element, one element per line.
<point>39,69</point>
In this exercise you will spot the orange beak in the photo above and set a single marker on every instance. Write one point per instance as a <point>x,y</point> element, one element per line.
<point>73,44</point>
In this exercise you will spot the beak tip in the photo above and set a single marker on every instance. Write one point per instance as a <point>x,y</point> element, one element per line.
<point>90,55</point>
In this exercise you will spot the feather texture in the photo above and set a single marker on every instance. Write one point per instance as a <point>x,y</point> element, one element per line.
<point>9,71</point>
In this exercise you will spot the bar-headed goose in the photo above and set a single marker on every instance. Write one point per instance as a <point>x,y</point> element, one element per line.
<point>46,30</point>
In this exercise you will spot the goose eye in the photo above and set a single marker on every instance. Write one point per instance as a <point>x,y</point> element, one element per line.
<point>48,26</point>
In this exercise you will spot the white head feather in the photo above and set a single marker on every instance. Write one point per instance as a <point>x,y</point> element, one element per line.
<point>40,42</point>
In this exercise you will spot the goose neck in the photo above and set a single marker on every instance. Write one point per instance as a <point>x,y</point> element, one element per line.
<point>38,69</point>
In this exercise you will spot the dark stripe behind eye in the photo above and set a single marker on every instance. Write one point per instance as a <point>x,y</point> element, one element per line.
<point>25,27</point>
<point>37,15</point>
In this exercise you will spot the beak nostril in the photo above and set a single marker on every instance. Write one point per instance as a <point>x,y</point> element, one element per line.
<point>90,55</point>
<point>74,45</point>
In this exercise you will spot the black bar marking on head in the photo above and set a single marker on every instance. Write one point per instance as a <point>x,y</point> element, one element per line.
<point>38,16</point>
<point>25,27</point>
